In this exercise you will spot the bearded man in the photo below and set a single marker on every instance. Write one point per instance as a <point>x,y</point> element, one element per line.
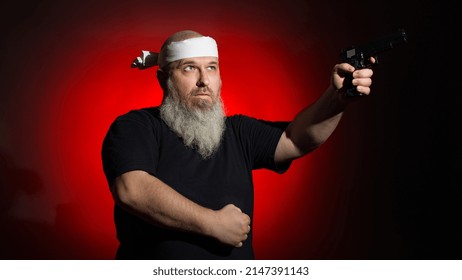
<point>181,173</point>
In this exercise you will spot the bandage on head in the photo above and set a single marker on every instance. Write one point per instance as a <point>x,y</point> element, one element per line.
<point>189,48</point>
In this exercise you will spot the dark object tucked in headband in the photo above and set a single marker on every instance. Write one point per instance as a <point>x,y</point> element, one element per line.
<point>146,60</point>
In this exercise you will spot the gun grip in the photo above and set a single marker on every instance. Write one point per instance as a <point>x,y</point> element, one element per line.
<point>350,90</point>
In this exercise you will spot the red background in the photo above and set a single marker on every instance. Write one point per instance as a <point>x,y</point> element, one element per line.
<point>66,75</point>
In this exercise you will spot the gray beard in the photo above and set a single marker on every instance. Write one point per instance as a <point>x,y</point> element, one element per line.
<point>200,129</point>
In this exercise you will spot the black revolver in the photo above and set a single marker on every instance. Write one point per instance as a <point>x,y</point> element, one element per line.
<point>359,56</point>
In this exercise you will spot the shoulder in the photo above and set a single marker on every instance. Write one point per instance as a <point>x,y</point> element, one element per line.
<point>142,117</point>
<point>240,120</point>
<point>144,114</point>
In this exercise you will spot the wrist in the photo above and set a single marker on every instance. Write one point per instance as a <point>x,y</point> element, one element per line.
<point>208,221</point>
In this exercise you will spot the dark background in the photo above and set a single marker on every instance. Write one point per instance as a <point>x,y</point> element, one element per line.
<point>385,186</point>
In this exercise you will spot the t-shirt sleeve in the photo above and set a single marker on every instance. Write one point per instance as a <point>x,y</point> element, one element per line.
<point>261,138</point>
<point>130,144</point>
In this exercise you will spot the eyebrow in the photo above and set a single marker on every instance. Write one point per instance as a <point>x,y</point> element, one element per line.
<point>185,61</point>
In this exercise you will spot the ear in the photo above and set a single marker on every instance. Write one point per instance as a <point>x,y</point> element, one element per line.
<point>162,78</point>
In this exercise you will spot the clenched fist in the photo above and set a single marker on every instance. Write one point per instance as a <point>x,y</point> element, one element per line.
<point>230,225</point>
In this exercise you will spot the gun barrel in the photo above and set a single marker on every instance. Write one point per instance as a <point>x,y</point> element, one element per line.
<point>375,47</point>
<point>383,43</point>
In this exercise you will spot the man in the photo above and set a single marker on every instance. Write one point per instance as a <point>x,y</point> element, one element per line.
<point>181,173</point>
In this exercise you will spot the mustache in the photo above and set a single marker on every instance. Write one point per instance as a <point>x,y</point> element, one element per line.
<point>202,90</point>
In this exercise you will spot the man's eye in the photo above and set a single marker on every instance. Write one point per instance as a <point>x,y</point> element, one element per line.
<point>212,68</point>
<point>188,68</point>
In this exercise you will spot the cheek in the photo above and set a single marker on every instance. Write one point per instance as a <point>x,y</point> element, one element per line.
<point>183,86</point>
<point>217,87</point>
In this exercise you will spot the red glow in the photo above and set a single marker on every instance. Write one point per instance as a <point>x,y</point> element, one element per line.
<point>78,79</point>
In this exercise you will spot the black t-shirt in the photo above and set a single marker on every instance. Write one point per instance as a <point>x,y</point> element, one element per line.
<point>140,140</point>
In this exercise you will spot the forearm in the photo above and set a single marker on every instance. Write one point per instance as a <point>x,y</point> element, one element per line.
<point>312,126</point>
<point>157,203</point>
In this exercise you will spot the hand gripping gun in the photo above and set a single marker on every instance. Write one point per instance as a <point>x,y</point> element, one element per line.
<point>359,56</point>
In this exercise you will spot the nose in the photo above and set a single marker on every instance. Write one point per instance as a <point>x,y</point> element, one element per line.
<point>203,80</point>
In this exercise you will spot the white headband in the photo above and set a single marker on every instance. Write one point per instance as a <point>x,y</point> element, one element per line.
<point>194,47</point>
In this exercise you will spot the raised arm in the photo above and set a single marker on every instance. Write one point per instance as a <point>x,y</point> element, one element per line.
<point>149,198</point>
<point>314,125</point>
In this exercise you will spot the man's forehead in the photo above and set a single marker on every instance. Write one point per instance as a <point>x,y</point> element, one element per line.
<point>189,48</point>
